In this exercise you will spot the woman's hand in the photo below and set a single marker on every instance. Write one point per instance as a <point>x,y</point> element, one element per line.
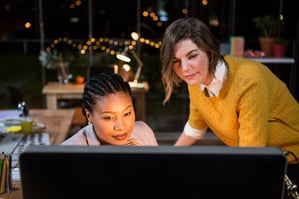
<point>133,142</point>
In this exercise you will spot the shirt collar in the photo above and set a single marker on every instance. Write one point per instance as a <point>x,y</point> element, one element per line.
<point>215,86</point>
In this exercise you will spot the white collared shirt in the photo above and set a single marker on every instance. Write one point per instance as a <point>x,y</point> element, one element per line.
<point>215,86</point>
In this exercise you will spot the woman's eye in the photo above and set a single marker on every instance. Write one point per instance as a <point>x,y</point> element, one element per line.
<point>128,113</point>
<point>192,56</point>
<point>107,118</point>
<point>174,61</point>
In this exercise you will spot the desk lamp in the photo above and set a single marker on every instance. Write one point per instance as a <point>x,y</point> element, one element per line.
<point>124,57</point>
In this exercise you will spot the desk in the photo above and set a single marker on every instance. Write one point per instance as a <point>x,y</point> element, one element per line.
<point>15,194</point>
<point>55,91</point>
<point>284,60</point>
<point>57,124</point>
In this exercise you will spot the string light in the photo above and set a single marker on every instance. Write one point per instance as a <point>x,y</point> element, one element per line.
<point>102,44</point>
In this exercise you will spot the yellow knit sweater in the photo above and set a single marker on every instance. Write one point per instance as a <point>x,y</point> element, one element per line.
<point>254,109</point>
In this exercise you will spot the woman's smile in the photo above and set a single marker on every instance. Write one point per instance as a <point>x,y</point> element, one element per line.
<point>120,136</point>
<point>190,76</point>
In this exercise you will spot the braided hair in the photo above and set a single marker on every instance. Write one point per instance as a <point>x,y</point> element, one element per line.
<point>101,85</point>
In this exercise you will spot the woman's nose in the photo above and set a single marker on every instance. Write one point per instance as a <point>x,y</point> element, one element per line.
<point>118,125</point>
<point>184,64</point>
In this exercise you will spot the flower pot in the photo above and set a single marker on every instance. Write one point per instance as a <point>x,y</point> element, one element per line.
<point>80,79</point>
<point>279,50</point>
<point>266,45</point>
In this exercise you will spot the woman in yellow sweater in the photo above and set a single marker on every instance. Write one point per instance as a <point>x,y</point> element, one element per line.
<point>239,99</point>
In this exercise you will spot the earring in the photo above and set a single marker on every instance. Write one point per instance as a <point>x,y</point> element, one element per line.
<point>89,122</point>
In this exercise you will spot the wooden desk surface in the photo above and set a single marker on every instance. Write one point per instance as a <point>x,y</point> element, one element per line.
<point>58,123</point>
<point>15,194</point>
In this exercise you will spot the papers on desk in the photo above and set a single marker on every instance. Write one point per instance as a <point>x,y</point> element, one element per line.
<point>10,122</point>
<point>15,174</point>
<point>32,139</point>
<point>9,114</point>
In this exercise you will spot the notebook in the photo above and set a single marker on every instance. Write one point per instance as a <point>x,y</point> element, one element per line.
<point>9,142</point>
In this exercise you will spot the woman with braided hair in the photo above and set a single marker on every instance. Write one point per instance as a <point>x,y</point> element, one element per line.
<point>107,103</point>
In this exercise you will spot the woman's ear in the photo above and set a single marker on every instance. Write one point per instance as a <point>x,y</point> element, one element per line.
<point>88,116</point>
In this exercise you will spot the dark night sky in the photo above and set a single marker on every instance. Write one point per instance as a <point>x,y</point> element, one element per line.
<point>117,18</point>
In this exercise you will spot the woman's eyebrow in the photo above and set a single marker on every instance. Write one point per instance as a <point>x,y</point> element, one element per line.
<point>126,108</point>
<point>190,52</point>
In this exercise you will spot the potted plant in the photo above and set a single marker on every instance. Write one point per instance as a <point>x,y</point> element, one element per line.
<point>270,28</point>
<point>279,47</point>
<point>59,61</point>
<point>80,79</point>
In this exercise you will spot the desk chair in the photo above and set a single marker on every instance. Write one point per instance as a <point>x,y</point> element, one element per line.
<point>79,119</point>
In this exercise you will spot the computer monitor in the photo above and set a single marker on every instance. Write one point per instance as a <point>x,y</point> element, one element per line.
<point>152,172</point>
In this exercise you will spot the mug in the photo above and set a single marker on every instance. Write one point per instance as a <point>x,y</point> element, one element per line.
<point>26,125</point>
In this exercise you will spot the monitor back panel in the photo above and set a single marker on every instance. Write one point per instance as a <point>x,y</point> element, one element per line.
<point>153,172</point>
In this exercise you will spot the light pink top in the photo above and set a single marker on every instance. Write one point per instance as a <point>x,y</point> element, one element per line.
<point>86,136</point>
